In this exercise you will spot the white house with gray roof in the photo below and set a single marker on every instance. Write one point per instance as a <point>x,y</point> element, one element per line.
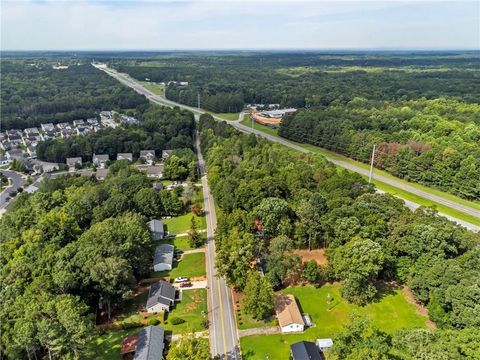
<point>100,160</point>
<point>163,259</point>
<point>148,156</point>
<point>125,156</point>
<point>150,343</point>
<point>161,297</point>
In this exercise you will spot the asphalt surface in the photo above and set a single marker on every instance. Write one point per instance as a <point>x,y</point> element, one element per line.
<point>17,181</point>
<point>223,328</point>
<point>127,80</point>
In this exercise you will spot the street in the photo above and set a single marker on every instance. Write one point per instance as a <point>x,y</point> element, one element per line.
<point>223,327</point>
<point>17,181</point>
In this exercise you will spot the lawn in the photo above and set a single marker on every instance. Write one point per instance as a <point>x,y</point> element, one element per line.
<point>181,243</point>
<point>392,312</point>
<point>181,224</point>
<point>158,89</point>
<point>386,187</point>
<point>192,309</point>
<point>227,116</point>
<point>192,265</point>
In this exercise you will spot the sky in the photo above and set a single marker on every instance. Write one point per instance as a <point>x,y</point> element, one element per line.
<point>236,24</point>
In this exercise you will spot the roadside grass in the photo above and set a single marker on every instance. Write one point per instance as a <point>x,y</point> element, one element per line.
<point>157,89</point>
<point>387,187</point>
<point>227,116</point>
<point>181,224</point>
<point>390,313</point>
<point>192,265</point>
<point>192,309</point>
<point>245,321</point>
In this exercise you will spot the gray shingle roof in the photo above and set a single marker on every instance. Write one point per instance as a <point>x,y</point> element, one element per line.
<point>163,254</point>
<point>161,292</point>
<point>155,226</point>
<point>150,343</point>
<point>305,350</point>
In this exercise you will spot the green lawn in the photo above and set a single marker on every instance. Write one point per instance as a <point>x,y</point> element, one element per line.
<point>192,265</point>
<point>389,188</point>
<point>181,243</point>
<point>391,313</point>
<point>181,224</point>
<point>192,309</point>
<point>158,89</point>
<point>227,116</point>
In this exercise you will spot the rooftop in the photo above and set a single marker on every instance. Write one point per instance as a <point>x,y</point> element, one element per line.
<point>287,310</point>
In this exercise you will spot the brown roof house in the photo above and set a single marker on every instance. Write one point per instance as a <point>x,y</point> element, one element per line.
<point>289,317</point>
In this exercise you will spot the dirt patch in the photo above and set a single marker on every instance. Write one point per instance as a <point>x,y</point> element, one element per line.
<point>318,255</point>
<point>421,310</point>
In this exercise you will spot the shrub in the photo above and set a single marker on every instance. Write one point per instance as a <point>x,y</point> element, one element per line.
<point>130,325</point>
<point>152,321</point>
<point>176,321</point>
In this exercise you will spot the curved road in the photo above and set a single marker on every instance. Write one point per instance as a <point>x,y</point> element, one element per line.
<point>127,80</point>
<point>17,181</point>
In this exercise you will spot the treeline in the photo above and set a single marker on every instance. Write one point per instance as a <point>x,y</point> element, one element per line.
<point>273,200</point>
<point>432,142</point>
<point>35,94</point>
<point>74,249</point>
<point>160,128</point>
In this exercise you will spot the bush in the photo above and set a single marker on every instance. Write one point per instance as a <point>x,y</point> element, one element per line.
<point>130,325</point>
<point>176,321</point>
<point>152,321</point>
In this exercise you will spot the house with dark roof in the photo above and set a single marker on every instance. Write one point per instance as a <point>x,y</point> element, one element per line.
<point>156,228</point>
<point>163,259</point>
<point>161,297</point>
<point>305,350</point>
<point>150,343</point>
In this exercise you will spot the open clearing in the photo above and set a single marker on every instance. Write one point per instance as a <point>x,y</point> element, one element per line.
<point>317,254</point>
<point>390,313</point>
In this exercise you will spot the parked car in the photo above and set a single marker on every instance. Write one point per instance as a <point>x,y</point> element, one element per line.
<point>180,279</point>
<point>185,284</point>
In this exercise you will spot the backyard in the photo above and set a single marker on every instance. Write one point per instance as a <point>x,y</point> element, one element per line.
<point>390,313</point>
<point>181,224</point>
<point>191,266</point>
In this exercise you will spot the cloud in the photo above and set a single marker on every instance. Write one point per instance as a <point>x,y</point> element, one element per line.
<point>207,24</point>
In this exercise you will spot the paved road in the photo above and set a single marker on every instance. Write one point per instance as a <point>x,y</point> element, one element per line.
<point>223,327</point>
<point>127,80</point>
<point>17,181</point>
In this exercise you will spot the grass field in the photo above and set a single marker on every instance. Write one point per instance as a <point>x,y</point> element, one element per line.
<point>181,243</point>
<point>192,309</point>
<point>181,224</point>
<point>227,116</point>
<point>192,265</point>
<point>391,313</point>
<point>157,89</point>
<point>389,188</point>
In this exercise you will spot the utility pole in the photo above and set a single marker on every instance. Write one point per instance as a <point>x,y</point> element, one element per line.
<point>371,164</point>
<point>198,102</point>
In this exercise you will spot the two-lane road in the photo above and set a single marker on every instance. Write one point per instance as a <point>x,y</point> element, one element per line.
<point>127,80</point>
<point>17,182</point>
<point>223,327</point>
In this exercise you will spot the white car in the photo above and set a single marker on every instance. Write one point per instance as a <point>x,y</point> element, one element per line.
<point>180,279</point>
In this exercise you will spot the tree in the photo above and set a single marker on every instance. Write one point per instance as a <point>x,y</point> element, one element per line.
<point>358,263</point>
<point>176,168</point>
<point>280,260</point>
<point>311,271</point>
<point>310,213</point>
<point>189,348</point>
<point>259,296</point>
<point>194,237</point>
<point>148,202</point>
<point>273,213</point>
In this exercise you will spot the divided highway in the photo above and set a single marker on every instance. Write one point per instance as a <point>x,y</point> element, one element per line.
<point>127,80</point>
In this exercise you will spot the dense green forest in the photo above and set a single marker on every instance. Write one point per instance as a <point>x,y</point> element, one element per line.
<point>273,200</point>
<point>34,93</point>
<point>433,142</point>
<point>160,128</point>
<point>421,109</point>
<point>78,243</point>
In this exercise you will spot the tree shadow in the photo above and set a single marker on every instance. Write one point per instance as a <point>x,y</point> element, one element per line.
<point>385,289</point>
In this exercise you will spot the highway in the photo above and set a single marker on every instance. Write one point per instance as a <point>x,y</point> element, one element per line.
<point>17,181</point>
<point>127,80</point>
<point>223,327</point>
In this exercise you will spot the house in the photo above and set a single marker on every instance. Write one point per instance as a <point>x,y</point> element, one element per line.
<point>65,133</point>
<point>82,130</point>
<point>106,115</point>
<point>78,123</point>
<point>125,156</point>
<point>101,174</point>
<point>72,162</point>
<point>148,156</point>
<point>163,259</point>
<point>289,317</point>
<point>166,154</point>
<point>92,121</point>
<point>4,160</point>
<point>31,132</point>
<point>150,343</point>
<point>156,228</point>
<point>155,171</point>
<point>14,154</point>
<point>305,350</point>
<point>63,125</point>
<point>48,127</point>
<point>100,160</point>
<point>160,297</point>
<point>324,344</point>
<point>31,151</point>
